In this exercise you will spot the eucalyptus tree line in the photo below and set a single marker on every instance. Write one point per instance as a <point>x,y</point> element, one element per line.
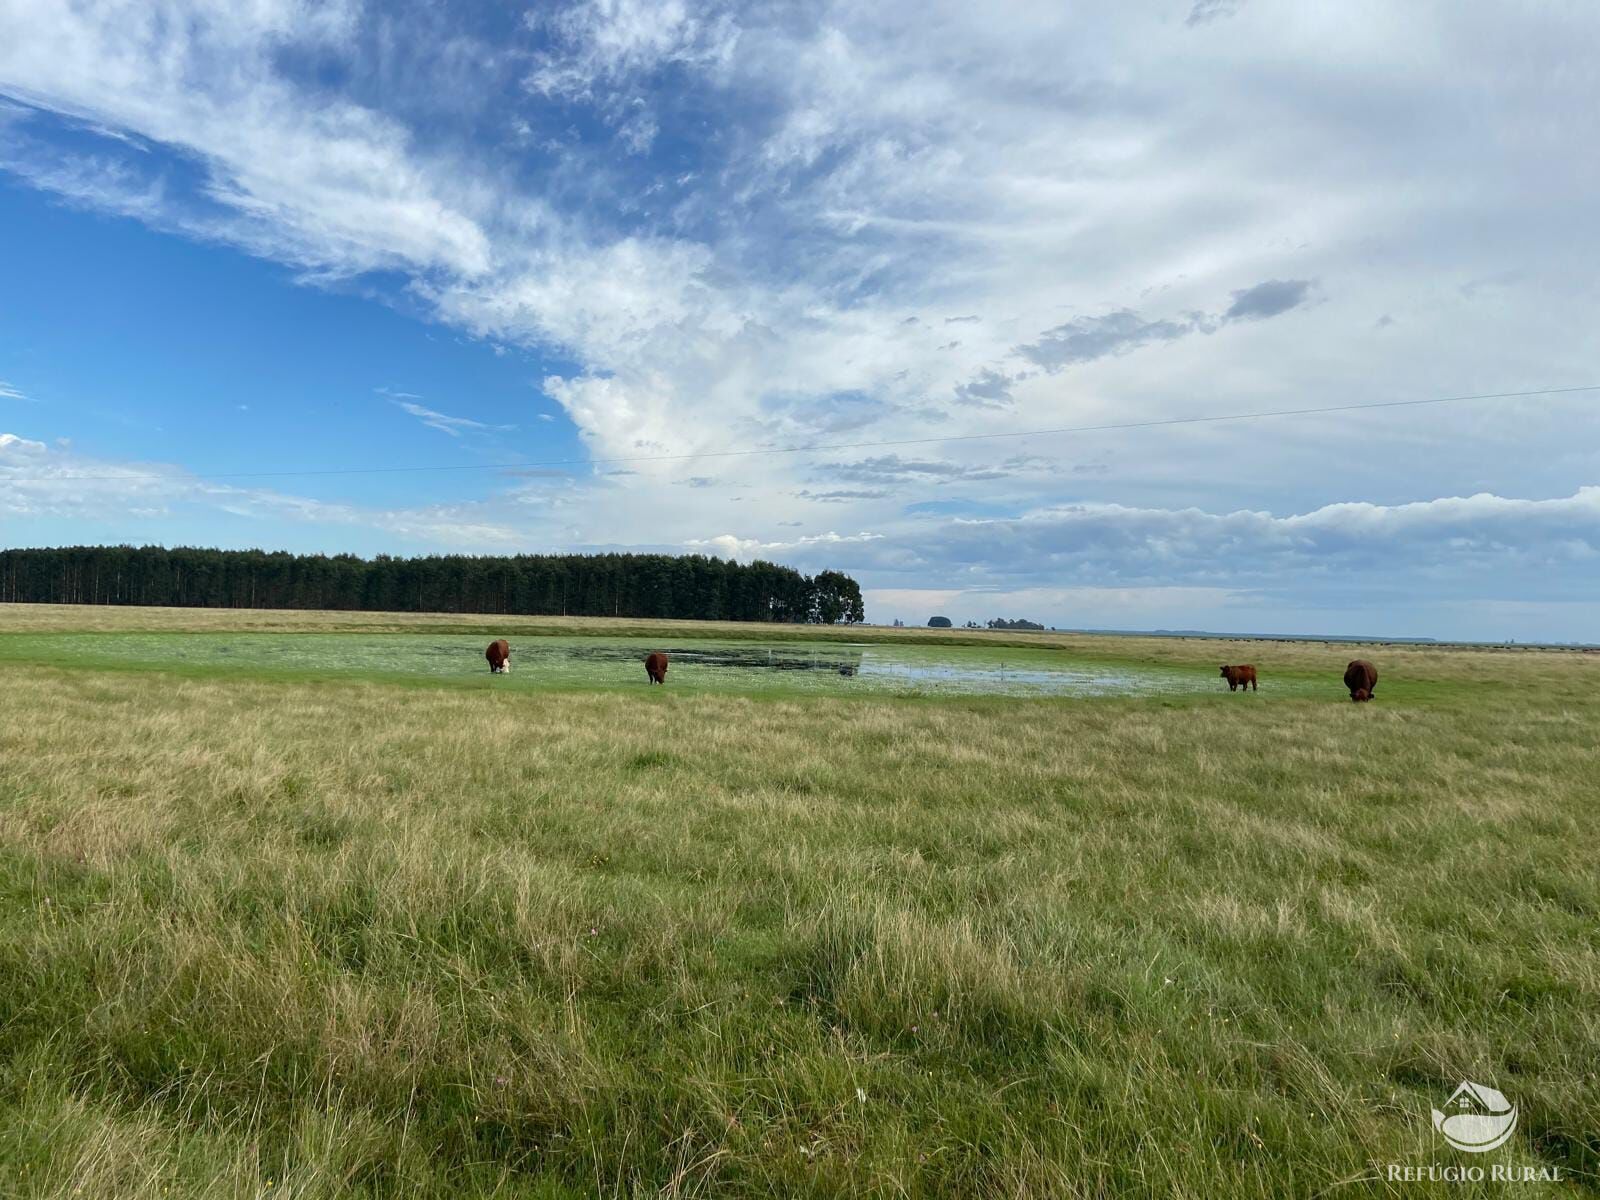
<point>610,585</point>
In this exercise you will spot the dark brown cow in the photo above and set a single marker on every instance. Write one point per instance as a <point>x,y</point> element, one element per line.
<point>1361,677</point>
<point>499,656</point>
<point>1241,677</point>
<point>655,666</point>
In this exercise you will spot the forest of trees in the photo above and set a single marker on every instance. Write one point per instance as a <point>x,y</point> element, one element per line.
<point>585,585</point>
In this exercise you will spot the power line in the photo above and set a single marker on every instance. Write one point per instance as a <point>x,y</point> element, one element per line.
<point>817,448</point>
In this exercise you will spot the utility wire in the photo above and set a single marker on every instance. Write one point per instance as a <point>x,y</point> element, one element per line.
<point>819,447</point>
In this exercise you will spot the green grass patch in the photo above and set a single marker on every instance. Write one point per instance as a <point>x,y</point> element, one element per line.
<point>275,928</point>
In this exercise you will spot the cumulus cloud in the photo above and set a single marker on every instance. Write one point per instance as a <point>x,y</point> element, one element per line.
<point>730,546</point>
<point>726,545</point>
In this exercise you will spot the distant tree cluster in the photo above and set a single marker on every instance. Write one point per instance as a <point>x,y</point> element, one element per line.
<point>585,585</point>
<point>938,622</point>
<point>1019,623</point>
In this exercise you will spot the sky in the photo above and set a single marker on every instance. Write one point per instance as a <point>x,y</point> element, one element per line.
<point>414,277</point>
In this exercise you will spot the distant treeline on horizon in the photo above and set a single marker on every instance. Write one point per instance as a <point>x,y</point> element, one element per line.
<point>584,585</point>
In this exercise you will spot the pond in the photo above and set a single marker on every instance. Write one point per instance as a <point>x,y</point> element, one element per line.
<point>696,664</point>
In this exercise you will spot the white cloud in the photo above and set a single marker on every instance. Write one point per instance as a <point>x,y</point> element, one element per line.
<point>443,422</point>
<point>8,392</point>
<point>1358,569</point>
<point>42,484</point>
<point>601,42</point>
<point>1075,188</point>
<point>322,183</point>
<point>1013,164</point>
<point>727,545</point>
<point>1346,547</point>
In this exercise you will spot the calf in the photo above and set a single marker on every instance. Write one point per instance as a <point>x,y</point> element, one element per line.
<point>1361,677</point>
<point>655,666</point>
<point>1241,677</point>
<point>499,656</point>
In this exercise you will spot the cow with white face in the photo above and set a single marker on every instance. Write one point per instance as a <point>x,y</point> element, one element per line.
<point>499,656</point>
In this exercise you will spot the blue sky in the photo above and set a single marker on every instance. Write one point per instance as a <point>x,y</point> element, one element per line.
<point>242,244</point>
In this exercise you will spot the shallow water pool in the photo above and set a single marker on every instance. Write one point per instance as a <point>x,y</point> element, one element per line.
<point>696,664</point>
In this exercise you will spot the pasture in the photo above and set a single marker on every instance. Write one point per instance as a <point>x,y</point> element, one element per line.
<point>285,910</point>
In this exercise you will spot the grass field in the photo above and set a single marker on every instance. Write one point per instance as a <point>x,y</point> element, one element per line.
<point>301,932</point>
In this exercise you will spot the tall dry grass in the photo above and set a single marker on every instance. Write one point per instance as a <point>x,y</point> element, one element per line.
<point>269,938</point>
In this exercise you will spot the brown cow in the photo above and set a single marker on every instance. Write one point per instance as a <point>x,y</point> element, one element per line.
<point>1361,677</point>
<point>655,666</point>
<point>499,656</point>
<point>1241,677</point>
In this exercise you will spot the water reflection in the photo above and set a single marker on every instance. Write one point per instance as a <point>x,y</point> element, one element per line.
<point>882,668</point>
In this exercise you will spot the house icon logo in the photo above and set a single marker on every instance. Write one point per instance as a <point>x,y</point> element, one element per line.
<point>1476,1118</point>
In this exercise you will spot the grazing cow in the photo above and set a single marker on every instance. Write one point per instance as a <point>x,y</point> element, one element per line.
<point>1361,677</point>
<point>499,656</point>
<point>1241,677</point>
<point>655,666</point>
